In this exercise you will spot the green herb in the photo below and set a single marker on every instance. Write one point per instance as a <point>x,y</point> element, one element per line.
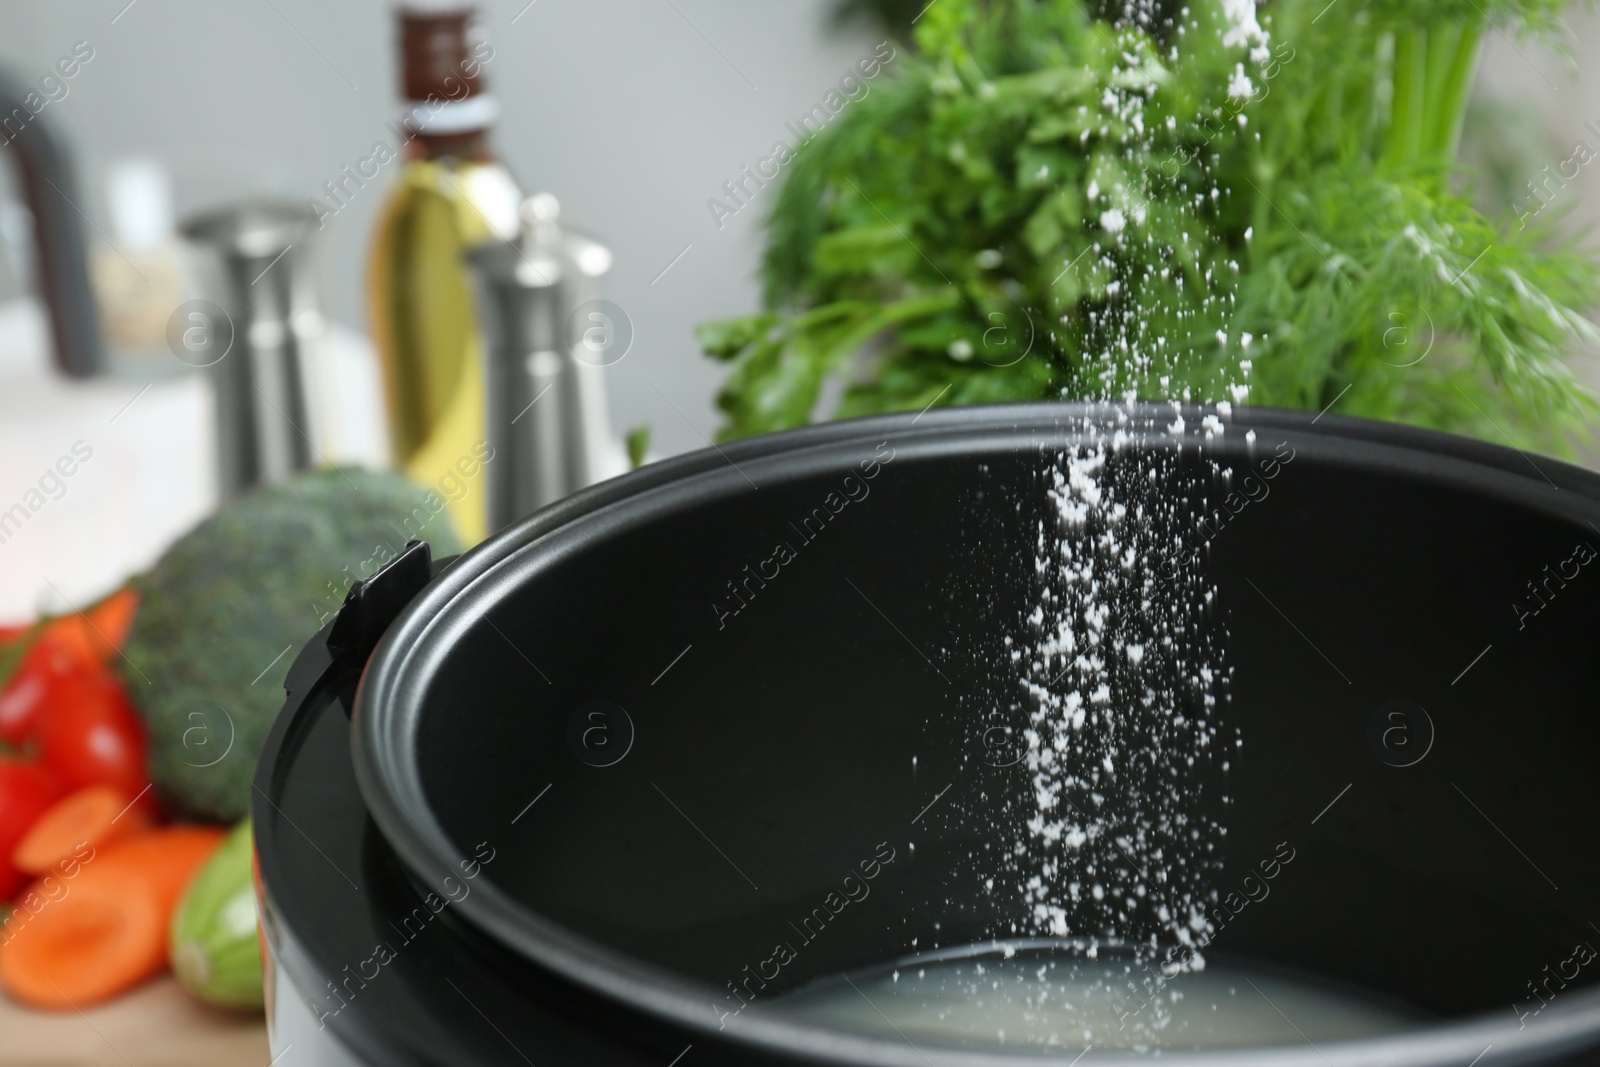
<point>637,443</point>
<point>1040,203</point>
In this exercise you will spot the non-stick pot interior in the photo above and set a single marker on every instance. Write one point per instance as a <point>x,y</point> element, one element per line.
<point>689,724</point>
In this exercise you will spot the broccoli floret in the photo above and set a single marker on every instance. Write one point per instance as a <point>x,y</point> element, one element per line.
<point>224,612</point>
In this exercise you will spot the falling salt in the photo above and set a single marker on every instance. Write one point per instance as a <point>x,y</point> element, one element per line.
<point>1120,673</point>
<point>1118,661</point>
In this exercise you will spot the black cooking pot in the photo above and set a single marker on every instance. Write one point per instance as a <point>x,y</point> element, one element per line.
<point>554,802</point>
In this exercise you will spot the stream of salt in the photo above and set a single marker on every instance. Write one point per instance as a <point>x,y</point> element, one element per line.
<point>1121,690</point>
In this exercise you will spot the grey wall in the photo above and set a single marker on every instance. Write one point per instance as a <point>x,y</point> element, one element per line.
<point>632,112</point>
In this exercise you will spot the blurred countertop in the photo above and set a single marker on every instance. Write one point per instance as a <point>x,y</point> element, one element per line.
<point>155,1025</point>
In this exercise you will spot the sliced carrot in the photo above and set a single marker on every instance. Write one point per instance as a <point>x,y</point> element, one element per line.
<point>163,860</point>
<point>69,637</point>
<point>76,941</point>
<point>84,948</point>
<point>96,816</point>
<point>112,618</point>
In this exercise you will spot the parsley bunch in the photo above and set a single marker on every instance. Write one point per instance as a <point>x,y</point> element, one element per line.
<point>1044,203</point>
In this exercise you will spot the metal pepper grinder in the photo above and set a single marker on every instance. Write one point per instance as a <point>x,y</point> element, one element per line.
<point>547,337</point>
<point>252,336</point>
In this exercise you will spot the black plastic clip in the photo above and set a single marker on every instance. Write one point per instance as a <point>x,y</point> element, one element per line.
<point>373,603</point>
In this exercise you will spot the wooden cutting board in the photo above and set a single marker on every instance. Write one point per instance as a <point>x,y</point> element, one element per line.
<point>156,1025</point>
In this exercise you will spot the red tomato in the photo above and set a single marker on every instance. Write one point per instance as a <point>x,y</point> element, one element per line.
<point>60,650</point>
<point>41,680</point>
<point>21,703</point>
<point>26,791</point>
<point>91,736</point>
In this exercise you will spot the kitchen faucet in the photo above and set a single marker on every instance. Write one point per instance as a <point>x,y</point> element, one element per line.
<point>48,189</point>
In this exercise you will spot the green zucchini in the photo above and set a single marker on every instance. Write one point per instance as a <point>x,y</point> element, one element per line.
<point>214,948</point>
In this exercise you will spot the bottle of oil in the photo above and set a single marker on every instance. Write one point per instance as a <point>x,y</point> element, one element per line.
<point>452,195</point>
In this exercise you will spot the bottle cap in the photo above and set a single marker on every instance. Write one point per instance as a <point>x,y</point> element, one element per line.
<point>442,53</point>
